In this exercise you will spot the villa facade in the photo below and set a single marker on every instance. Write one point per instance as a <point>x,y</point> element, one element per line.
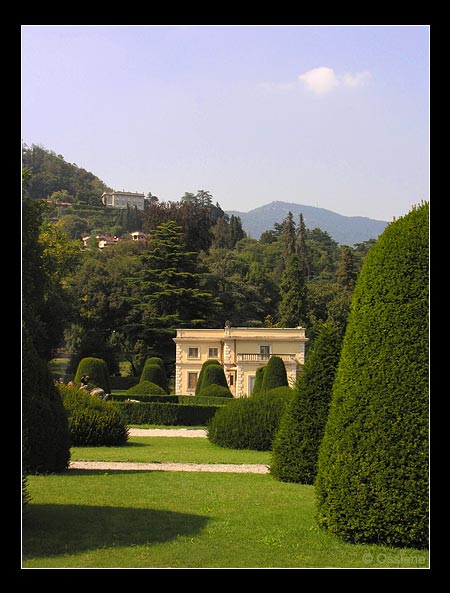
<point>241,350</point>
<point>122,199</point>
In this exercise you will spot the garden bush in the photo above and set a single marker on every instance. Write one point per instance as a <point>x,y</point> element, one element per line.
<point>92,421</point>
<point>155,372</point>
<point>372,480</point>
<point>275,375</point>
<point>45,431</point>
<point>249,423</point>
<point>97,370</point>
<point>296,444</point>
<point>146,388</point>
<point>207,363</point>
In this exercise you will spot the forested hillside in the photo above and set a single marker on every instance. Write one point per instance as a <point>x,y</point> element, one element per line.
<point>196,269</point>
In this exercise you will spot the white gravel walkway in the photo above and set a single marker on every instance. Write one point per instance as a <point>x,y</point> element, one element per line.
<point>168,432</point>
<point>252,468</point>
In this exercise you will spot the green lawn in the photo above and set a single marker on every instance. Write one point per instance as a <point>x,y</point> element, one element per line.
<point>175,519</point>
<point>172,449</point>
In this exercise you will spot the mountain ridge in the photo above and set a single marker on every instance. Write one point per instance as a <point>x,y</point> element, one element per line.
<point>345,230</point>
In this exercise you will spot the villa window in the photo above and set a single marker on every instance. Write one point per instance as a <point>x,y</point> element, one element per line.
<point>264,351</point>
<point>213,353</point>
<point>193,353</point>
<point>192,381</point>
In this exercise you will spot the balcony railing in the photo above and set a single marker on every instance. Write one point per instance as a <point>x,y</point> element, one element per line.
<point>264,357</point>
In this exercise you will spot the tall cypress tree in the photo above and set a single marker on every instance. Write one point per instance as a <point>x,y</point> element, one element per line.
<point>372,481</point>
<point>292,309</point>
<point>301,248</point>
<point>288,234</point>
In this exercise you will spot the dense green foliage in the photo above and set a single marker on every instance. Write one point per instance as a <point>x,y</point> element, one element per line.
<point>170,414</point>
<point>274,375</point>
<point>197,269</point>
<point>45,432</point>
<point>296,445</point>
<point>92,421</point>
<point>97,370</point>
<point>372,482</point>
<point>51,173</point>
<point>249,423</point>
<point>146,388</point>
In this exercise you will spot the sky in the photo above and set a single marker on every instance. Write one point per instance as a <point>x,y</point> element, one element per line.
<point>331,116</point>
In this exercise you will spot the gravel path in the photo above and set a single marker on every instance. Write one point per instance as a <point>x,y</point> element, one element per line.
<point>244,468</point>
<point>172,467</point>
<point>169,432</point>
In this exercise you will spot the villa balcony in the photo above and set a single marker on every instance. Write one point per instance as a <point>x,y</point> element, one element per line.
<point>257,357</point>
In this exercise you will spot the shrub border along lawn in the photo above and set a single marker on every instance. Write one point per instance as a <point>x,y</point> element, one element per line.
<point>166,413</point>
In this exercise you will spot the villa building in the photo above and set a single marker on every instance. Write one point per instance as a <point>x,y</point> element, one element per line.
<point>122,199</point>
<point>241,350</point>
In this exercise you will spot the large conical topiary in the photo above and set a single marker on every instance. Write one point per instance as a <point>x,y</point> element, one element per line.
<point>372,482</point>
<point>45,431</point>
<point>155,372</point>
<point>296,445</point>
<point>207,363</point>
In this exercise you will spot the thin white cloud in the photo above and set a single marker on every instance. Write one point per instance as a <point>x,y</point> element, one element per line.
<point>320,80</point>
<point>323,80</point>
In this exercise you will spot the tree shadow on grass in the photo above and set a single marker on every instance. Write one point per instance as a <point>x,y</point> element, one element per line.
<point>52,530</point>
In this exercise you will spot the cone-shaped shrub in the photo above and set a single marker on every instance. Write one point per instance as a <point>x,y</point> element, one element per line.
<point>97,369</point>
<point>296,444</point>
<point>274,375</point>
<point>259,378</point>
<point>214,375</point>
<point>372,481</point>
<point>155,373</point>
<point>206,364</point>
<point>45,431</point>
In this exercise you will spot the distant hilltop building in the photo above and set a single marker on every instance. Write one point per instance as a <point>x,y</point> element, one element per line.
<point>122,199</point>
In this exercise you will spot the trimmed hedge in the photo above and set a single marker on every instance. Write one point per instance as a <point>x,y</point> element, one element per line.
<point>146,388</point>
<point>249,423</point>
<point>275,375</point>
<point>296,445</point>
<point>92,421</point>
<point>168,414</point>
<point>96,369</point>
<point>372,481</point>
<point>188,400</point>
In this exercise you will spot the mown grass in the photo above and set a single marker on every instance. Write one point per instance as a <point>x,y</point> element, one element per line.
<point>171,449</point>
<point>93,519</point>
